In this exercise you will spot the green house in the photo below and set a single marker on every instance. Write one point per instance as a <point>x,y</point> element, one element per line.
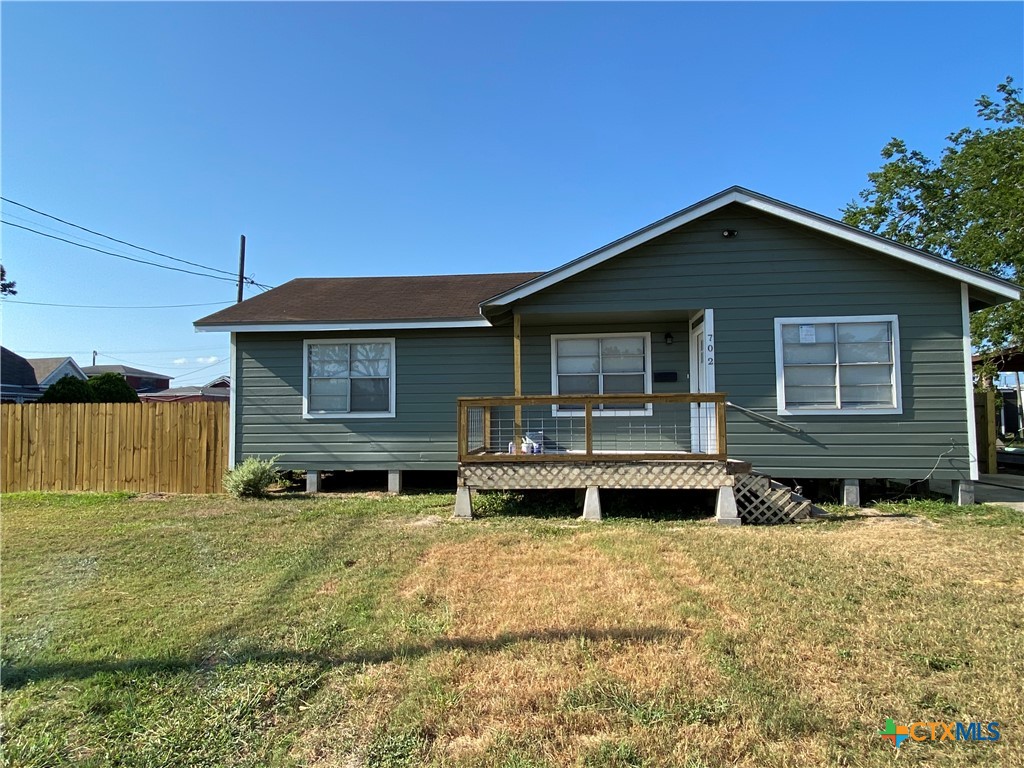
<point>738,340</point>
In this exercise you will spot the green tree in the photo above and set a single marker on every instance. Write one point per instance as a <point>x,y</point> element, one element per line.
<point>112,388</point>
<point>69,389</point>
<point>6,286</point>
<point>967,207</point>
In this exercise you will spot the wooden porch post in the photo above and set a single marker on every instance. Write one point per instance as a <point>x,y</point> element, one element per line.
<point>517,376</point>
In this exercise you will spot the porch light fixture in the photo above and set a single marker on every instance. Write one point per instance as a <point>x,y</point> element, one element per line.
<point>669,338</point>
<point>729,233</point>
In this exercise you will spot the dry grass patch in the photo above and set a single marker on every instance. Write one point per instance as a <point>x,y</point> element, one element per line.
<point>560,640</point>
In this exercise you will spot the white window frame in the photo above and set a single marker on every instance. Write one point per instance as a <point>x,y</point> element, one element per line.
<point>896,380</point>
<point>389,414</point>
<point>648,408</point>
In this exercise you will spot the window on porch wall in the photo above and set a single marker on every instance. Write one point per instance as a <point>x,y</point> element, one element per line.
<point>602,364</point>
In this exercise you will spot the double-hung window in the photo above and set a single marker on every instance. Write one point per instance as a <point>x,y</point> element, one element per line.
<point>602,364</point>
<point>844,364</point>
<point>351,378</point>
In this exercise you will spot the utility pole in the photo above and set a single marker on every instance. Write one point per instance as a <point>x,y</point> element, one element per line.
<point>241,268</point>
<point>94,357</point>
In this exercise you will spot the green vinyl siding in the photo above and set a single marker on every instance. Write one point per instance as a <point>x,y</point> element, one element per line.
<point>432,369</point>
<point>777,269</point>
<point>771,269</point>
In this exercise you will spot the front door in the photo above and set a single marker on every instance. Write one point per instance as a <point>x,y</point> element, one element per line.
<point>703,437</point>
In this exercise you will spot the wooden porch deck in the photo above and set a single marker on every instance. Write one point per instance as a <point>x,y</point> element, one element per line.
<point>669,441</point>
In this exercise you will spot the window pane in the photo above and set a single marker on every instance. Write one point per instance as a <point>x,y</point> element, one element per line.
<point>631,384</point>
<point>622,364</point>
<point>581,347</point>
<point>808,333</point>
<point>857,332</point>
<point>865,352</point>
<point>810,375</point>
<point>810,397</point>
<point>578,364</point>
<point>371,359</point>
<point>577,385</point>
<point>327,404</point>
<point>865,374</point>
<point>808,353</point>
<point>328,359</point>
<point>370,395</point>
<point>622,345</point>
<point>867,396</point>
<point>333,387</point>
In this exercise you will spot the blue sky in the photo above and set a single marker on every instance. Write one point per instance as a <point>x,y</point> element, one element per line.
<point>420,138</point>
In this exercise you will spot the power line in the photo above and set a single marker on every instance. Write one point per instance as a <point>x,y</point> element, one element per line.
<point>105,306</point>
<point>127,258</point>
<point>114,239</point>
<point>183,374</point>
<point>121,351</point>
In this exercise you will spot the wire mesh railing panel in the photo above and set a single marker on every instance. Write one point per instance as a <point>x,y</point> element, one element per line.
<point>476,435</point>
<point>674,426</point>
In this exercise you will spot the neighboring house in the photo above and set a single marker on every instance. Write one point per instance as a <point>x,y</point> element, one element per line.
<point>843,355</point>
<point>18,382</point>
<point>50,370</point>
<point>25,379</point>
<point>218,390</point>
<point>139,380</point>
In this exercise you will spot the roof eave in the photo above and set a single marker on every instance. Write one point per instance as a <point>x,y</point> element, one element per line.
<point>314,327</point>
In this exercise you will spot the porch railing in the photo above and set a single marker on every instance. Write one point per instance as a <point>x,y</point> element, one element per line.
<point>678,427</point>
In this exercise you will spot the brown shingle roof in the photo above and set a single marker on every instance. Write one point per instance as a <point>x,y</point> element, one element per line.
<point>370,299</point>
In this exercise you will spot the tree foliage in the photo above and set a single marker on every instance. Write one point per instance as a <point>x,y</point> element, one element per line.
<point>112,388</point>
<point>967,207</point>
<point>6,286</point>
<point>68,389</point>
<point>105,388</point>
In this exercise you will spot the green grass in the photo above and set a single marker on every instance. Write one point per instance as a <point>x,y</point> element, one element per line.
<point>363,630</point>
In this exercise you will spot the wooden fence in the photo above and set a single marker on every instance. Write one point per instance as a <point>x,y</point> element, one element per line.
<point>143,447</point>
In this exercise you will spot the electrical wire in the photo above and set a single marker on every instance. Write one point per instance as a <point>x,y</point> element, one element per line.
<point>120,351</point>
<point>113,239</point>
<point>197,370</point>
<point>127,258</point>
<point>106,306</point>
<point>181,375</point>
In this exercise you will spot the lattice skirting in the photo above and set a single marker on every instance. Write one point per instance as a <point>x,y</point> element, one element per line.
<point>708,475</point>
<point>759,501</point>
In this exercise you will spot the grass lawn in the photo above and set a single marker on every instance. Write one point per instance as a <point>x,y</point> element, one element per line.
<point>360,630</point>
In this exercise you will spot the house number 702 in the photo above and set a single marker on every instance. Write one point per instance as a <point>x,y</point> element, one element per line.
<point>711,349</point>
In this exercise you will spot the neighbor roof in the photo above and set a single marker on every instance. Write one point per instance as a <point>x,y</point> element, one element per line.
<point>124,370</point>
<point>47,366</point>
<point>15,370</point>
<point>339,303</point>
<point>176,393</point>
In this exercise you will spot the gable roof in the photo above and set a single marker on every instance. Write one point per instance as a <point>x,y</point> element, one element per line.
<point>350,303</point>
<point>124,370</point>
<point>45,367</point>
<point>464,301</point>
<point>982,286</point>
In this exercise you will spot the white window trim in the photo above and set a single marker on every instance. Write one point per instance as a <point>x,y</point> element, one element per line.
<point>648,408</point>
<point>896,382</point>
<point>390,414</point>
